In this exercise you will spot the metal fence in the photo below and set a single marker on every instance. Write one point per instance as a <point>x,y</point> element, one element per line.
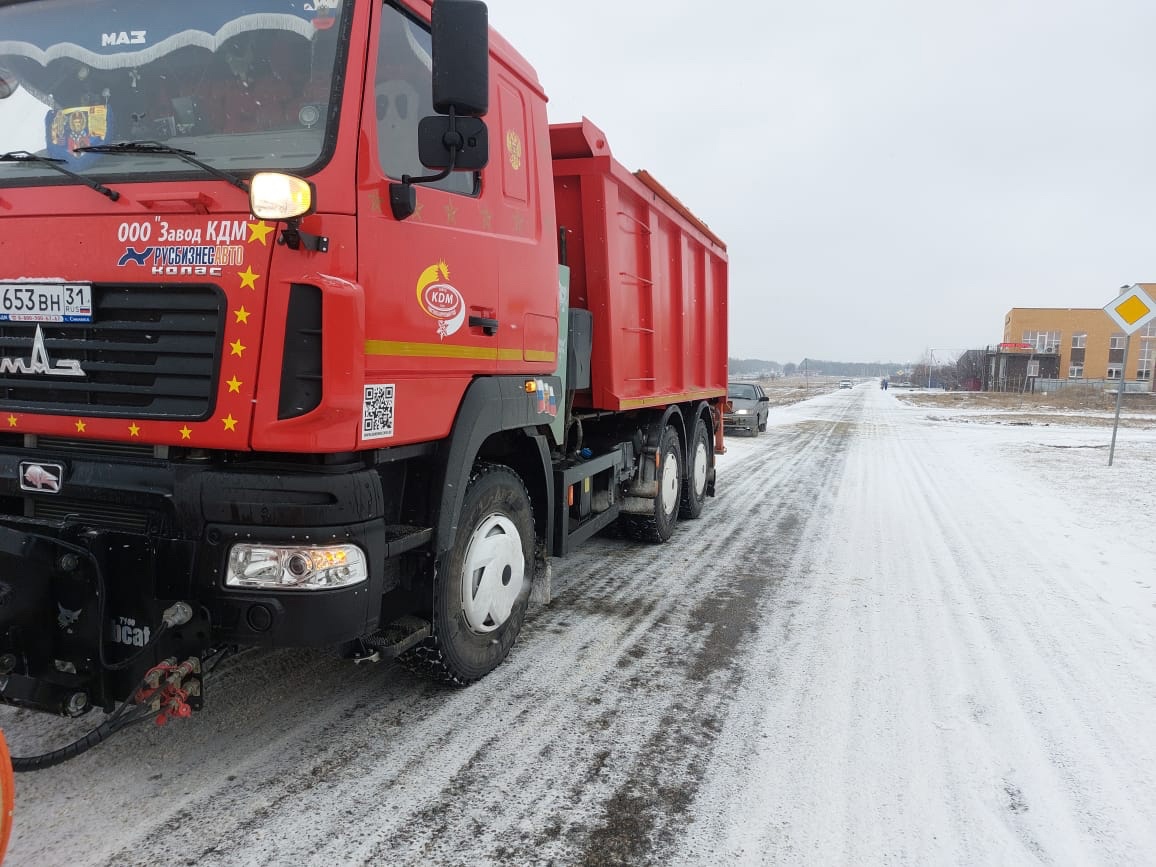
<point>1109,385</point>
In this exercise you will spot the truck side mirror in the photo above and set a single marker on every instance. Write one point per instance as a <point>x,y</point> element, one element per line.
<point>461,57</point>
<point>473,151</point>
<point>456,138</point>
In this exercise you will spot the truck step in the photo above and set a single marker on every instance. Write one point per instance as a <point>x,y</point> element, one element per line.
<point>400,538</point>
<point>394,639</point>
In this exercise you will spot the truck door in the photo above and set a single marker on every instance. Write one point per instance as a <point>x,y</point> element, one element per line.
<point>428,276</point>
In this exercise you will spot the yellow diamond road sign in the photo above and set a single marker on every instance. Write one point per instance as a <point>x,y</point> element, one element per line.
<point>1132,310</point>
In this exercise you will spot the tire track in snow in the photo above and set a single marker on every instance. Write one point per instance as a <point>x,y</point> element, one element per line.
<point>1079,759</point>
<point>609,704</point>
<point>640,796</point>
<point>936,702</point>
<point>611,699</point>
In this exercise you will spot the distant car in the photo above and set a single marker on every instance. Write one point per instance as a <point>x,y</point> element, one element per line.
<point>747,407</point>
<point>846,383</point>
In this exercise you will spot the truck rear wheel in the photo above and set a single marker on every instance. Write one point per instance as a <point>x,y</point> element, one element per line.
<point>658,526</point>
<point>697,470</point>
<point>483,585</point>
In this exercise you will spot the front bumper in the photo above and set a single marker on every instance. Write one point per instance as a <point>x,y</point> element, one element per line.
<point>293,618</point>
<point>86,572</point>
<point>741,422</point>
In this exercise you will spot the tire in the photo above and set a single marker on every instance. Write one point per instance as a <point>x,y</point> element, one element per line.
<point>698,461</point>
<point>659,526</point>
<point>763,425</point>
<point>754,428</point>
<point>482,587</point>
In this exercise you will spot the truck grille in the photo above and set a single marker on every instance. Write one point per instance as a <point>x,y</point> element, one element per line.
<point>113,517</point>
<point>90,448</point>
<point>150,351</point>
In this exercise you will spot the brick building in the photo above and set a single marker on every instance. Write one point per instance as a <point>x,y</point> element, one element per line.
<point>1089,343</point>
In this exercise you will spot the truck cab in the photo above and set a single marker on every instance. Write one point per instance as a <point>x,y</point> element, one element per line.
<point>333,94</point>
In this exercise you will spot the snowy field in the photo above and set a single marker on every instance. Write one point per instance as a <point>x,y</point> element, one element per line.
<point>900,634</point>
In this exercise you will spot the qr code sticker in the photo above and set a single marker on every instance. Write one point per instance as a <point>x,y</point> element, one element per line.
<point>377,412</point>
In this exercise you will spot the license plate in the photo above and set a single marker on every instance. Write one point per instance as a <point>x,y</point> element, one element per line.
<point>45,302</point>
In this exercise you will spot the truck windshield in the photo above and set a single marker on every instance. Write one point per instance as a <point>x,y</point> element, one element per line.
<point>245,84</point>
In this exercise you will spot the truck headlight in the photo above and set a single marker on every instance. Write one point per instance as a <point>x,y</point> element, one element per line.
<point>278,196</point>
<point>295,567</point>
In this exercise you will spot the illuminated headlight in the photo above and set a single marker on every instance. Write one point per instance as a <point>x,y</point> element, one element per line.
<point>742,412</point>
<point>277,196</point>
<point>291,567</point>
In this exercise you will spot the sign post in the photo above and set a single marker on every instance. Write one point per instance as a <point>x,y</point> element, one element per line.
<point>1131,311</point>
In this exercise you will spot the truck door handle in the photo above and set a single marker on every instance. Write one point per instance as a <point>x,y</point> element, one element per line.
<point>489,326</point>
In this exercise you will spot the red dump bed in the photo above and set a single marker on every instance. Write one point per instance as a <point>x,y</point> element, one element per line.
<point>652,274</point>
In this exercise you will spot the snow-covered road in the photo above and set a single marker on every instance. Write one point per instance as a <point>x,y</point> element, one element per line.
<point>890,638</point>
<point>961,658</point>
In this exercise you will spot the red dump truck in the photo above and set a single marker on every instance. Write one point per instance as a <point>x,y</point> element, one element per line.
<point>314,332</point>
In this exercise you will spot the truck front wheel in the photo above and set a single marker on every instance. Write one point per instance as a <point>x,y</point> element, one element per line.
<point>483,585</point>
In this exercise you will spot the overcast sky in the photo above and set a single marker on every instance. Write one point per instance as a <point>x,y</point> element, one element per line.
<point>889,175</point>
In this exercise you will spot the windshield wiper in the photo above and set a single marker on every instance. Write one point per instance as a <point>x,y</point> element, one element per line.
<point>54,163</point>
<point>157,149</point>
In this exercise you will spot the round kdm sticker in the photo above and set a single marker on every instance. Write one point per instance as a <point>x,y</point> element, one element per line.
<point>440,300</point>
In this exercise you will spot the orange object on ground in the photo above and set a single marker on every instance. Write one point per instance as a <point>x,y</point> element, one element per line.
<point>7,795</point>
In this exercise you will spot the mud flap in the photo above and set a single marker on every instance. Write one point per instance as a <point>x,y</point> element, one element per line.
<point>542,590</point>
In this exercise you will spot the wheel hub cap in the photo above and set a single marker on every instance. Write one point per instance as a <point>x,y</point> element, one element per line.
<point>700,461</point>
<point>494,571</point>
<point>669,483</point>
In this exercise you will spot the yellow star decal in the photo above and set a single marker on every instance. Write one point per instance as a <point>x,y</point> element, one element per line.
<point>133,430</point>
<point>259,232</point>
<point>12,421</point>
<point>248,278</point>
<point>80,425</point>
<point>229,422</point>
<point>242,315</point>
<point>238,348</point>
<point>185,432</point>
<point>234,384</point>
